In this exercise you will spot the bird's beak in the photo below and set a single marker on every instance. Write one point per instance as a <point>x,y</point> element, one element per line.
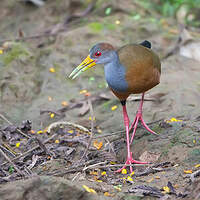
<point>85,65</point>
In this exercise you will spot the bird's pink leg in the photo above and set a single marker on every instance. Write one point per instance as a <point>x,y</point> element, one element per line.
<point>140,118</point>
<point>129,160</point>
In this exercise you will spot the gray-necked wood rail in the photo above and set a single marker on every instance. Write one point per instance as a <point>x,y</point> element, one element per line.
<point>132,69</point>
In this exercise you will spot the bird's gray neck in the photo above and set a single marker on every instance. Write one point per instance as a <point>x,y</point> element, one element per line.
<point>115,75</point>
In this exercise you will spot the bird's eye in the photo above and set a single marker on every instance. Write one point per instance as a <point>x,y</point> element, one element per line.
<point>97,54</point>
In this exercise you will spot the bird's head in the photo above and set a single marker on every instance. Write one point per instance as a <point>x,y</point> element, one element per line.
<point>100,53</point>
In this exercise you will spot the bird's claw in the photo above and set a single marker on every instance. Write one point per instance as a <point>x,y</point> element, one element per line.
<point>129,162</point>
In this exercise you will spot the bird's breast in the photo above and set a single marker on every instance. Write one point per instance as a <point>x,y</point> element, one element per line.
<point>115,77</point>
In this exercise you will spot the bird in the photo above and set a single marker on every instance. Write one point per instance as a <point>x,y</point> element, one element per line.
<point>131,69</point>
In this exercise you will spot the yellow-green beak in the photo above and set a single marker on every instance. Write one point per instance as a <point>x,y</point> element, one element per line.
<point>85,65</point>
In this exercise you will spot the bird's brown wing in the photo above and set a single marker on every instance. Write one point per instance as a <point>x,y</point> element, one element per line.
<point>142,66</point>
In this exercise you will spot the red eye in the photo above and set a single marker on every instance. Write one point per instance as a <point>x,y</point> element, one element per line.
<point>98,53</point>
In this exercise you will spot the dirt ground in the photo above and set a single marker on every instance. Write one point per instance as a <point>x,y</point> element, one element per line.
<point>34,85</point>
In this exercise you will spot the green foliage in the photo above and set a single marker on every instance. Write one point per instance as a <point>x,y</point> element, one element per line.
<point>11,169</point>
<point>98,27</point>
<point>17,51</point>
<point>195,152</point>
<point>169,8</point>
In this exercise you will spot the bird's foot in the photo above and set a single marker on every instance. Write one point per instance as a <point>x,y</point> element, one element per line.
<point>135,123</point>
<point>130,161</point>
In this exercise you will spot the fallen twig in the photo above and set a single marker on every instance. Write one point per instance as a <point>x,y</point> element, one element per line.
<point>7,150</point>
<point>77,140</point>
<point>194,175</point>
<point>77,126</point>
<point>153,169</point>
<point>110,166</point>
<point>146,191</point>
<point>94,165</point>
<point>9,160</point>
<point>42,146</point>
<point>92,129</point>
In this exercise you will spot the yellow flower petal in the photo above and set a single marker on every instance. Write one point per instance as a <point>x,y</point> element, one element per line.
<point>132,173</point>
<point>1,51</point>
<point>196,166</point>
<point>93,173</point>
<point>70,131</point>
<point>173,119</point>
<point>52,115</point>
<point>90,118</point>
<point>124,171</point>
<point>107,194</point>
<point>188,171</point>
<point>57,141</point>
<point>103,173</point>
<point>45,130</point>
<point>39,132</point>
<point>129,179</point>
<point>83,91</point>
<point>166,189</point>
<point>52,70</point>
<point>17,144</point>
<point>90,190</point>
<point>114,107</point>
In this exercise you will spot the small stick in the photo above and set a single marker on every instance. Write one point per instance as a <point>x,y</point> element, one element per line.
<point>92,129</point>
<point>76,176</point>
<point>109,134</point>
<point>42,146</point>
<point>194,175</point>
<point>110,166</point>
<point>94,165</point>
<point>9,160</point>
<point>4,118</point>
<point>7,150</point>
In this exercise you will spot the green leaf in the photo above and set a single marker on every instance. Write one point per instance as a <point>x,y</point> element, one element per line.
<point>108,11</point>
<point>11,169</point>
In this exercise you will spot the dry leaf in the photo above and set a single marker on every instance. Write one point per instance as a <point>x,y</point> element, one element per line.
<point>97,144</point>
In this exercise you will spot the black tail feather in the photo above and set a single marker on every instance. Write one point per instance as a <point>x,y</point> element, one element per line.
<point>146,44</point>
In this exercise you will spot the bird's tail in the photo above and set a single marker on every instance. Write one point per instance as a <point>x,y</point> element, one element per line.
<point>146,44</point>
